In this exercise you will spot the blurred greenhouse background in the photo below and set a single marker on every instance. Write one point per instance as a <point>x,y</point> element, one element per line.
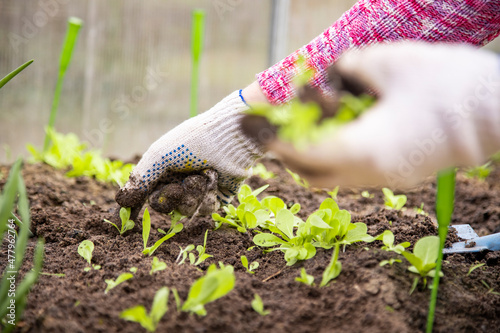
<point>129,79</point>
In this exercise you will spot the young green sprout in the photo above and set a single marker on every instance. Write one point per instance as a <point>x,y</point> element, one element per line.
<point>305,278</point>
<point>258,305</point>
<point>127,223</point>
<point>157,266</point>
<point>149,321</point>
<point>260,170</point>
<point>85,249</point>
<point>392,201</point>
<point>250,268</point>
<point>120,279</point>
<point>185,253</point>
<point>479,172</point>
<point>333,269</point>
<point>175,227</point>
<point>423,259</point>
<point>390,262</point>
<point>299,180</point>
<point>387,237</point>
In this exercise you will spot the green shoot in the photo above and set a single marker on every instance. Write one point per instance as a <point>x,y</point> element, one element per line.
<point>490,290</point>
<point>202,256</point>
<point>258,305</point>
<point>85,249</point>
<point>133,269</point>
<point>249,214</point>
<point>177,300</point>
<point>175,227</point>
<point>149,321</point>
<point>196,50</point>
<point>368,195</point>
<point>387,237</point>
<point>184,254</point>
<point>479,172</point>
<point>12,74</point>
<point>250,268</point>
<point>390,262</point>
<point>420,210</point>
<point>120,279</point>
<point>333,193</point>
<point>300,181</point>
<point>127,223</point>
<point>260,170</point>
<point>305,278</point>
<point>74,25</point>
<point>157,266</point>
<point>392,201</point>
<point>14,191</point>
<point>423,258</point>
<point>215,284</point>
<point>333,269</point>
<point>474,267</point>
<point>445,198</point>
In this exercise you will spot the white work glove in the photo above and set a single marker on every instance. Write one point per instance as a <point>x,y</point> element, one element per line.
<point>438,106</point>
<point>212,139</point>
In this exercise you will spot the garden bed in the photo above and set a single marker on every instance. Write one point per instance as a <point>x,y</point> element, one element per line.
<point>365,297</point>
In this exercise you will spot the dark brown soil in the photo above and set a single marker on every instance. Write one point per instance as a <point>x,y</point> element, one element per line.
<point>364,298</point>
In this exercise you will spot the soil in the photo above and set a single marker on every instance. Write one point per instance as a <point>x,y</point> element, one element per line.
<point>364,298</point>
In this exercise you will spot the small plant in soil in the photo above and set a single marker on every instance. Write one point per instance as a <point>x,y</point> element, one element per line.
<point>85,249</point>
<point>298,180</point>
<point>249,267</point>
<point>216,283</point>
<point>201,249</point>
<point>389,262</point>
<point>258,305</point>
<point>333,269</point>
<point>474,267</point>
<point>248,215</point>
<point>149,321</point>
<point>175,227</point>
<point>120,279</point>
<point>420,210</point>
<point>480,172</point>
<point>127,223</point>
<point>423,259</point>
<point>392,201</point>
<point>367,195</point>
<point>157,265</point>
<point>305,278</point>
<point>260,170</point>
<point>387,237</point>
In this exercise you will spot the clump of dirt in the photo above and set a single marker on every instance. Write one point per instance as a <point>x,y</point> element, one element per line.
<point>364,298</point>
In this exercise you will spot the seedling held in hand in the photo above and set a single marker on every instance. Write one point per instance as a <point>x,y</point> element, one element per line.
<point>215,284</point>
<point>250,268</point>
<point>158,309</point>
<point>120,279</point>
<point>127,223</point>
<point>305,278</point>
<point>157,266</point>
<point>393,201</point>
<point>258,305</point>
<point>85,249</point>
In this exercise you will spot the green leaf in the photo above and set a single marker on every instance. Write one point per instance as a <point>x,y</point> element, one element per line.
<point>120,279</point>
<point>260,190</point>
<point>138,314</point>
<point>258,306</point>
<point>159,307</point>
<point>157,265</point>
<point>146,228</point>
<point>244,261</point>
<point>285,222</point>
<point>12,74</point>
<point>85,249</point>
<point>305,278</point>
<point>267,240</point>
<point>333,269</point>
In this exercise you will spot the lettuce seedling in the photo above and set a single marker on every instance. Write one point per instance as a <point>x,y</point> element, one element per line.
<point>258,305</point>
<point>331,225</point>
<point>215,284</point>
<point>260,170</point>
<point>390,262</point>
<point>333,193</point>
<point>333,269</point>
<point>120,279</point>
<point>366,194</point>
<point>479,172</point>
<point>249,213</point>
<point>175,227</point>
<point>420,210</point>
<point>85,249</point>
<point>295,246</point>
<point>423,259</point>
<point>157,266</point>
<point>250,268</point>
<point>127,223</point>
<point>392,201</point>
<point>387,237</point>
<point>305,278</point>
<point>149,321</point>
<point>299,180</point>
<point>202,256</point>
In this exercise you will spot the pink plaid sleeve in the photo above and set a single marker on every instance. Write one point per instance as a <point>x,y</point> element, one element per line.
<point>475,22</point>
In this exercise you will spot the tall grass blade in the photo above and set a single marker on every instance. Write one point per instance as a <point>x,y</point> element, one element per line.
<point>16,71</point>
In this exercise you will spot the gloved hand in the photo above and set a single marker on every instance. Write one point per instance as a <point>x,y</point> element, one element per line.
<point>211,140</point>
<point>438,106</point>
